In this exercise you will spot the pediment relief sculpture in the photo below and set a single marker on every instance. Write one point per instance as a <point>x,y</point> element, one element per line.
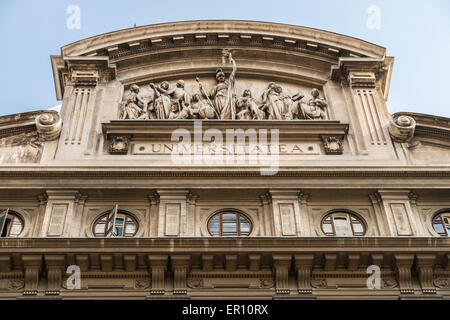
<point>221,101</point>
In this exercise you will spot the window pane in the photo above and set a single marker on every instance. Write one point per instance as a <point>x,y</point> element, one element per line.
<point>16,227</point>
<point>130,229</point>
<point>214,225</point>
<point>439,229</point>
<point>357,227</point>
<point>100,229</point>
<point>229,227</point>
<point>342,228</point>
<point>327,228</point>
<point>228,217</point>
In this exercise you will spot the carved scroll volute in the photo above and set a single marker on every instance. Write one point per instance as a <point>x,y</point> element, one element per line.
<point>403,265</point>
<point>180,268</point>
<point>32,265</point>
<point>424,267</point>
<point>158,268</point>
<point>281,265</point>
<point>303,266</point>
<point>48,125</point>
<point>402,128</point>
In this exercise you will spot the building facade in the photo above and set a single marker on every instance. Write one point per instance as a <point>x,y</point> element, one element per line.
<point>224,159</point>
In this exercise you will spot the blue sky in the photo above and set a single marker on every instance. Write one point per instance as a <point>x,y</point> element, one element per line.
<point>416,33</point>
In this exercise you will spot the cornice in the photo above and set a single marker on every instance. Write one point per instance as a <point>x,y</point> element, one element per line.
<point>77,172</point>
<point>224,29</point>
<point>218,245</point>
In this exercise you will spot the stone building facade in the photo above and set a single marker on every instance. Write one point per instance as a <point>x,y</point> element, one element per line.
<point>224,159</point>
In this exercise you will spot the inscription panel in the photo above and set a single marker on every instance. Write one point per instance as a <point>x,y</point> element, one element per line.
<point>287,219</point>
<point>401,219</point>
<point>57,219</point>
<point>173,211</point>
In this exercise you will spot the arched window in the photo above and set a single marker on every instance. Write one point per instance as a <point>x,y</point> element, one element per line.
<point>441,223</point>
<point>341,224</point>
<point>11,224</point>
<point>125,225</point>
<point>229,224</point>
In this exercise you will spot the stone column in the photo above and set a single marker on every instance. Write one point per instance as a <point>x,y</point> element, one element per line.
<point>172,212</point>
<point>286,212</point>
<point>59,213</point>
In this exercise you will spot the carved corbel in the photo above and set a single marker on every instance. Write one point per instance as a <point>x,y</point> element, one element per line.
<point>424,267</point>
<point>158,267</point>
<point>303,266</point>
<point>403,265</point>
<point>281,265</point>
<point>32,265</point>
<point>402,127</point>
<point>48,125</point>
<point>333,145</point>
<point>55,265</point>
<point>180,268</point>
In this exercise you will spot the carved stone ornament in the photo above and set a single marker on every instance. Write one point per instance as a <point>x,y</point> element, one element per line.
<point>266,283</point>
<point>174,102</point>
<point>119,145</point>
<point>48,126</point>
<point>142,284</point>
<point>402,128</point>
<point>442,283</point>
<point>319,283</point>
<point>333,145</point>
<point>195,283</point>
<point>390,283</point>
<point>16,284</point>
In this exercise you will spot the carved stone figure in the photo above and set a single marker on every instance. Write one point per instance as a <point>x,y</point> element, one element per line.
<point>223,93</point>
<point>276,102</point>
<point>247,108</point>
<point>134,106</point>
<point>161,101</point>
<point>202,108</point>
<point>314,109</point>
